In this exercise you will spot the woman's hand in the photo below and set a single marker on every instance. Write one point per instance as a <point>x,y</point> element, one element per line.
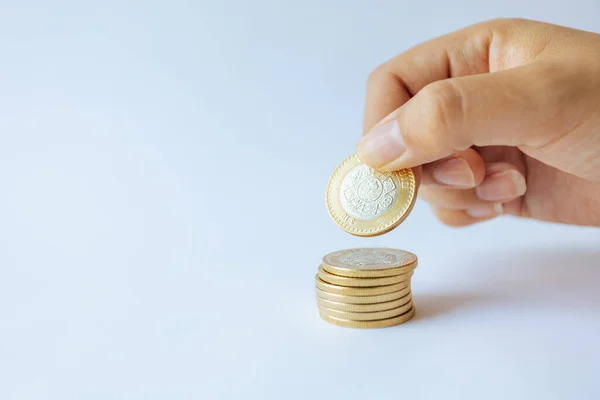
<point>502,117</point>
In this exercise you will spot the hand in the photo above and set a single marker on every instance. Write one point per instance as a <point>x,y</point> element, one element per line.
<point>502,117</point>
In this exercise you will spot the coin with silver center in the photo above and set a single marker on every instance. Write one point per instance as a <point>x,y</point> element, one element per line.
<point>369,262</point>
<point>366,202</point>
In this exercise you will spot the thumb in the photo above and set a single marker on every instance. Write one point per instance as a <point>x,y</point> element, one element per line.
<point>516,107</point>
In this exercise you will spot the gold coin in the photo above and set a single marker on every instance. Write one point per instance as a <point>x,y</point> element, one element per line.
<point>364,308</point>
<point>369,262</point>
<point>362,282</point>
<point>381,298</point>
<point>382,323</point>
<point>366,202</point>
<point>366,316</point>
<point>361,291</point>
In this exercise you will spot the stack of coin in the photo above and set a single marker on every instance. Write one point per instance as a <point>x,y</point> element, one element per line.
<point>366,287</point>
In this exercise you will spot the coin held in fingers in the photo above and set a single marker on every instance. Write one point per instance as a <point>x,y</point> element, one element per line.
<point>365,202</point>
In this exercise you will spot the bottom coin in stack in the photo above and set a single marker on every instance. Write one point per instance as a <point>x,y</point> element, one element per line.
<point>366,316</point>
<point>381,323</point>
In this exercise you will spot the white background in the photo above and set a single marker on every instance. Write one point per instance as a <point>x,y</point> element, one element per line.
<point>162,171</point>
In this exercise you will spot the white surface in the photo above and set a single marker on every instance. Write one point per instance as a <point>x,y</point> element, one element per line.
<point>163,170</point>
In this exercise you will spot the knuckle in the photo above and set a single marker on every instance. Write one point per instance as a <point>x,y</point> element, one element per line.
<point>447,198</point>
<point>457,222</point>
<point>453,223</point>
<point>502,22</point>
<point>502,26</point>
<point>377,75</point>
<point>438,196</point>
<point>425,193</point>
<point>453,218</point>
<point>443,103</point>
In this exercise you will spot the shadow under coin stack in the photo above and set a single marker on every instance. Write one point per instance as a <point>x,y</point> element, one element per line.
<point>366,287</point>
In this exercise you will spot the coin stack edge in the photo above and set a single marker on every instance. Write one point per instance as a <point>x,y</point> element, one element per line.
<point>358,297</point>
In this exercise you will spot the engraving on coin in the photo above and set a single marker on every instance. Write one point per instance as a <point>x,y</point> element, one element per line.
<point>365,202</point>
<point>367,194</point>
<point>369,258</point>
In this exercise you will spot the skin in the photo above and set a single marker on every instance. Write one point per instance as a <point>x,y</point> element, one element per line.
<point>499,118</point>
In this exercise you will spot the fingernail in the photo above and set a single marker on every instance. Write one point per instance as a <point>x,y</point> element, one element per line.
<point>502,186</point>
<point>454,172</point>
<point>485,210</point>
<point>381,145</point>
